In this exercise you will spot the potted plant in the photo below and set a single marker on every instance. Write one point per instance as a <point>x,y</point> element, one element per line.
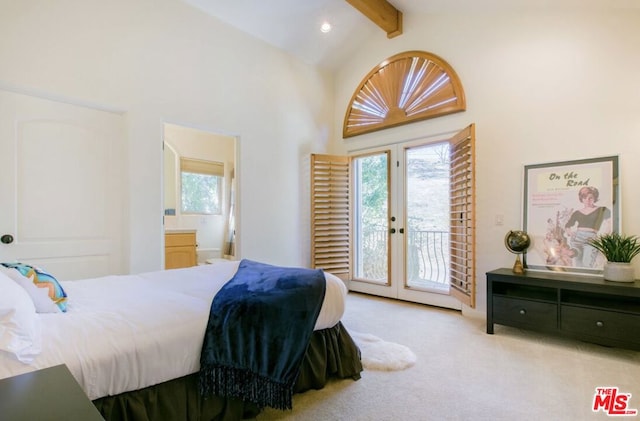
<point>619,249</point>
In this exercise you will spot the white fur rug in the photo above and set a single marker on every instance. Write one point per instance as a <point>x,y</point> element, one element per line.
<point>381,355</point>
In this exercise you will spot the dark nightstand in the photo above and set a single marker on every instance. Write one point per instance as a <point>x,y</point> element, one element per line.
<point>50,394</point>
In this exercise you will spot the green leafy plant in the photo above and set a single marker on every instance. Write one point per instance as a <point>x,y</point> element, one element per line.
<point>617,247</point>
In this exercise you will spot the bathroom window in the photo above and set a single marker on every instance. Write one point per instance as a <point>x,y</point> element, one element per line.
<point>201,186</point>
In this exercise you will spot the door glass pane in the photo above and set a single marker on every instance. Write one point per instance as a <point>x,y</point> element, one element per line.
<point>427,213</point>
<point>371,222</point>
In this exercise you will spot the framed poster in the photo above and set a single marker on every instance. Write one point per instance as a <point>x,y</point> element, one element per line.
<point>566,204</point>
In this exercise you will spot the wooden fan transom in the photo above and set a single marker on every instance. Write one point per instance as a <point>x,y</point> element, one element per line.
<point>407,87</point>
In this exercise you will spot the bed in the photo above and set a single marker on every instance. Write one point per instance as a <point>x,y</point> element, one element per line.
<point>134,342</point>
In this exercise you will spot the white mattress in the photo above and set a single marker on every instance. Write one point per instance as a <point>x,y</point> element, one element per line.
<point>123,333</point>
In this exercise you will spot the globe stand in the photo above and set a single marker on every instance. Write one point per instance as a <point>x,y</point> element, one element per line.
<point>517,266</point>
<point>517,242</point>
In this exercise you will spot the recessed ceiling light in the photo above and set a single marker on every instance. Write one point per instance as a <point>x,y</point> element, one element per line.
<point>325,27</point>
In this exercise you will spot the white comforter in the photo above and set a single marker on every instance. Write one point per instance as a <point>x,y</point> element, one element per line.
<point>123,333</point>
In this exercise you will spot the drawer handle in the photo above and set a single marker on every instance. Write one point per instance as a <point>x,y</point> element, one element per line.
<point>600,323</point>
<point>523,311</point>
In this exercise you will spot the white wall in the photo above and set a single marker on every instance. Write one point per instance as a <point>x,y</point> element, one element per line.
<point>540,87</point>
<point>164,61</point>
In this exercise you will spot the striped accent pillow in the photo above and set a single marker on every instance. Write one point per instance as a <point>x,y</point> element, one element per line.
<point>42,279</point>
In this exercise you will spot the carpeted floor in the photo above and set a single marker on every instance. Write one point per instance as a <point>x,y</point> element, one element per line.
<point>461,373</point>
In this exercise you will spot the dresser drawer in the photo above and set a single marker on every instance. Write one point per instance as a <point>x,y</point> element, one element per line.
<point>180,239</point>
<point>600,323</point>
<point>517,312</point>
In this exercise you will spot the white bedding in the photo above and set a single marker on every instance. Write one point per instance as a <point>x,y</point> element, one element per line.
<point>123,333</point>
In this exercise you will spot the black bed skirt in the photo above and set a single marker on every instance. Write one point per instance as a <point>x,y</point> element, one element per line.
<point>331,353</point>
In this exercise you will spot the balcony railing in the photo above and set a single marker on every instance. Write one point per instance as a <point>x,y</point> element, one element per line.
<point>427,257</point>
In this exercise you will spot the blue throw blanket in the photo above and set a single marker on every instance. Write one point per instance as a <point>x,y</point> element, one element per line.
<point>260,325</point>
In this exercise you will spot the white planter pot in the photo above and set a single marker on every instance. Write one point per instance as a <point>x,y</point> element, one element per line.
<point>618,272</point>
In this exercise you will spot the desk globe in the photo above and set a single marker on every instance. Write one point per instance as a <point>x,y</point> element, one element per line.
<point>517,242</point>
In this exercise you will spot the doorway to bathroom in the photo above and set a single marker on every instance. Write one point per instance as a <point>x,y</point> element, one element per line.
<point>200,190</point>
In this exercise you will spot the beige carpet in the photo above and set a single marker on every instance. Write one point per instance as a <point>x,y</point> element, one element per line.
<point>461,373</point>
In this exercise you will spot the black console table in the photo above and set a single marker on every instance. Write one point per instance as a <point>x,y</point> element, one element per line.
<point>581,307</point>
<point>48,394</point>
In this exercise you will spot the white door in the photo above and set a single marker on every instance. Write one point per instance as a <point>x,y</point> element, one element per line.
<point>401,223</point>
<point>61,196</point>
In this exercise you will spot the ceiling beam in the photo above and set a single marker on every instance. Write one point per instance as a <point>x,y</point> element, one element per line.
<point>382,13</point>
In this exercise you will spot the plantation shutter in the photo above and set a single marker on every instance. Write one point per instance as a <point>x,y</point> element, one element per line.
<point>463,225</point>
<point>330,214</point>
<point>407,87</point>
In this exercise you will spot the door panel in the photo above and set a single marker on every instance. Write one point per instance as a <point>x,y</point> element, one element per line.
<point>423,194</point>
<point>61,190</point>
<point>371,224</point>
<point>371,204</point>
<point>426,204</point>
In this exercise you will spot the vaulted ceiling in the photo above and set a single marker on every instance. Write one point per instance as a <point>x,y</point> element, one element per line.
<point>293,25</point>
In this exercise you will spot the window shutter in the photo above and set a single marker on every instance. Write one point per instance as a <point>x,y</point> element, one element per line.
<point>330,214</point>
<point>407,87</point>
<point>199,166</point>
<point>463,225</point>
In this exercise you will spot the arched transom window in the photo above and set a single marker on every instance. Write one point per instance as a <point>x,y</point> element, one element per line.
<point>410,86</point>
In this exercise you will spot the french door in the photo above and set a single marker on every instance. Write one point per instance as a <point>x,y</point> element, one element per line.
<point>412,234</point>
<point>401,223</point>
<point>398,221</point>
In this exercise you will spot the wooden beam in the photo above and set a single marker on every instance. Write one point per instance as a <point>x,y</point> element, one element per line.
<point>382,13</point>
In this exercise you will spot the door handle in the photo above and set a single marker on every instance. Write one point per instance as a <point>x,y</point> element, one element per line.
<point>392,230</point>
<point>6,239</point>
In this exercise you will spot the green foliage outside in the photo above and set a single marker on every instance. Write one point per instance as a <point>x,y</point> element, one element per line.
<point>200,194</point>
<point>374,194</point>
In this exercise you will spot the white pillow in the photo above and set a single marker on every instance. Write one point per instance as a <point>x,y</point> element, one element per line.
<point>39,296</point>
<point>20,332</point>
